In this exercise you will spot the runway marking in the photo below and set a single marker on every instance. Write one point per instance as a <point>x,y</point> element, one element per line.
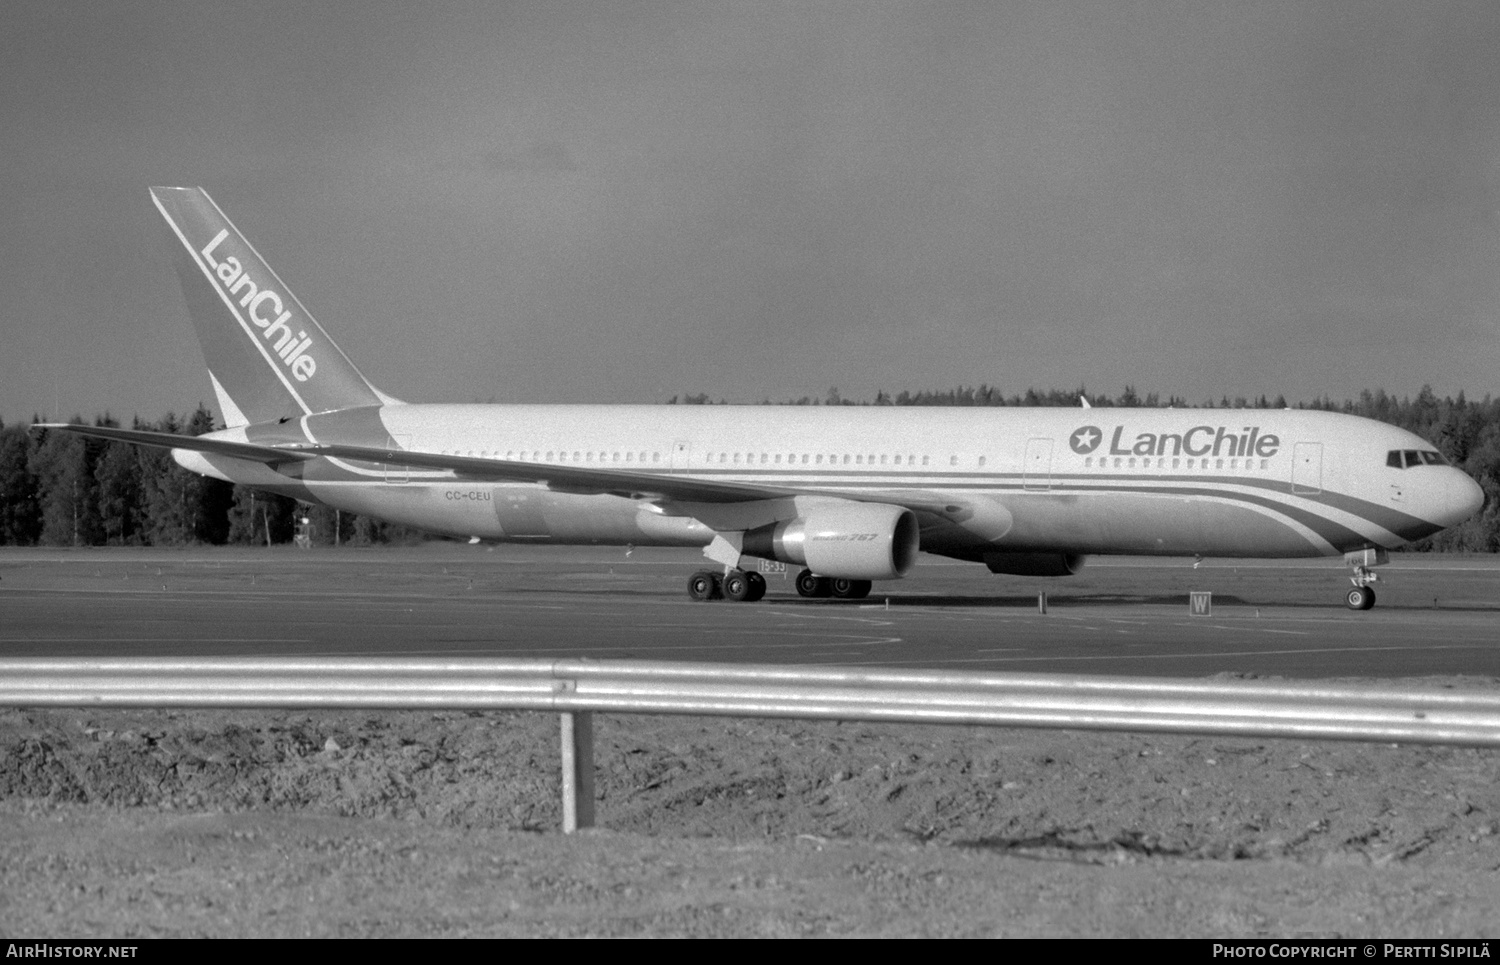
<point>1221,626</point>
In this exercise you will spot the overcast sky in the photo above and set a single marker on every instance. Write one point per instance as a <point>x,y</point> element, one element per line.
<point>619,202</point>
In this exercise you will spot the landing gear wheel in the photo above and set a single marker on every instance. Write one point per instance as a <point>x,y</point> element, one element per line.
<point>813,586</point>
<point>1361,598</point>
<point>757,587</point>
<point>703,585</point>
<point>850,589</point>
<point>737,586</point>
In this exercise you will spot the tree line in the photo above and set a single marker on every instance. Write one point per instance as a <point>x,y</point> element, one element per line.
<point>59,489</point>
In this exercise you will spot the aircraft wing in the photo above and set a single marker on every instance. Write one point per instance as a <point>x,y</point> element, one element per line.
<point>269,455</point>
<point>577,479</point>
<point>564,478</point>
<point>675,487</point>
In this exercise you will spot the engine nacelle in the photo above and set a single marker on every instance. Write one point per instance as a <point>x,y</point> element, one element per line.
<point>1035,564</point>
<point>855,541</point>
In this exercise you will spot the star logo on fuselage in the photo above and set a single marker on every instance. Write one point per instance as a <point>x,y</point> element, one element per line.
<point>1086,440</point>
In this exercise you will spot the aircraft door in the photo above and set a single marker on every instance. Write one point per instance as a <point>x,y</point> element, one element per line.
<point>1038,470</point>
<point>682,452</point>
<point>395,473</point>
<point>1307,467</point>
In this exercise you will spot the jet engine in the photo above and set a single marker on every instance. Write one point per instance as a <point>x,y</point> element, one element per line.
<point>1035,564</point>
<point>853,541</point>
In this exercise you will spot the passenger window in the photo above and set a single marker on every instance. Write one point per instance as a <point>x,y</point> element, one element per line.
<point>981,460</point>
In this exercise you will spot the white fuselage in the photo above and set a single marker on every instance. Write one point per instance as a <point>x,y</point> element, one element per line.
<point>1223,482</point>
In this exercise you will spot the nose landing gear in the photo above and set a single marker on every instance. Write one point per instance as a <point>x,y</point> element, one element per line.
<point>1362,597</point>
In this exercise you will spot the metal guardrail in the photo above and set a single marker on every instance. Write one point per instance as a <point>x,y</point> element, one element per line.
<point>577,688</point>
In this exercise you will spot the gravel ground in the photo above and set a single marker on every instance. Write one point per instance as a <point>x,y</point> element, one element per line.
<point>213,823</point>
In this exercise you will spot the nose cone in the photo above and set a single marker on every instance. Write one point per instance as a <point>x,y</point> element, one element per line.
<point>1458,498</point>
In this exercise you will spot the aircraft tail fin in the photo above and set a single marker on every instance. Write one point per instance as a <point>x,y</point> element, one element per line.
<point>267,356</point>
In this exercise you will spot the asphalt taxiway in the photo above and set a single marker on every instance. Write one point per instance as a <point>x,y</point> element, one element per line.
<point>1437,615</point>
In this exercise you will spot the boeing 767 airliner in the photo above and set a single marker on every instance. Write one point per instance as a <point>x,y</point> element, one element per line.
<point>849,493</point>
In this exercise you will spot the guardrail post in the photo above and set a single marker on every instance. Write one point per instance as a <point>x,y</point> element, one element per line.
<point>577,770</point>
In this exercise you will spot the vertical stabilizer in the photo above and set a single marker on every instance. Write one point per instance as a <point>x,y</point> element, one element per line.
<point>267,357</point>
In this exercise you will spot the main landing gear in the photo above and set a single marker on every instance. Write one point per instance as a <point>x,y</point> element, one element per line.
<point>816,586</point>
<point>737,585</point>
<point>744,586</point>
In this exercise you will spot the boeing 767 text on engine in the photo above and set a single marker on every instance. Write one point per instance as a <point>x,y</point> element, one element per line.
<point>850,494</point>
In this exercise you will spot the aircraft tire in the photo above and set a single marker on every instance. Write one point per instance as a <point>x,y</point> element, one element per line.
<point>704,585</point>
<point>737,587</point>
<point>1360,598</point>
<point>850,589</point>
<point>813,586</point>
<point>757,587</point>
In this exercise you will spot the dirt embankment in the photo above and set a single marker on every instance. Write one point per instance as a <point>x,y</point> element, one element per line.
<point>272,823</point>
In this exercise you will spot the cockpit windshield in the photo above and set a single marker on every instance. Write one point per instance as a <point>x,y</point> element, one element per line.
<point>1406,458</point>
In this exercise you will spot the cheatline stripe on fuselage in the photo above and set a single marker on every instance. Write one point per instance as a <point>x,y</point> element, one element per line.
<point>1334,533</point>
<point>1391,520</point>
<point>1274,497</point>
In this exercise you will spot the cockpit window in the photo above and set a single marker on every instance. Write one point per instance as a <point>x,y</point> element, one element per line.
<point>1406,458</point>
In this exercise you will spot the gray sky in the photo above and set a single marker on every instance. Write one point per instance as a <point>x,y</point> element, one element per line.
<point>595,202</point>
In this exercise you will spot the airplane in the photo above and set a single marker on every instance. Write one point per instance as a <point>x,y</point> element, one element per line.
<point>850,494</point>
